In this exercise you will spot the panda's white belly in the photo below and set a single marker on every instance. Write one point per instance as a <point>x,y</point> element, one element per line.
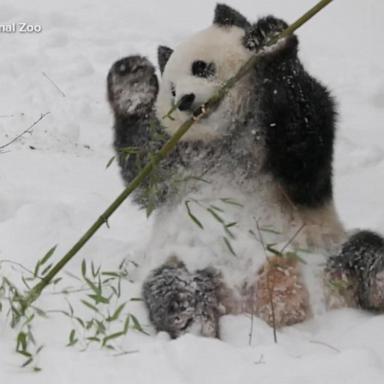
<point>220,225</point>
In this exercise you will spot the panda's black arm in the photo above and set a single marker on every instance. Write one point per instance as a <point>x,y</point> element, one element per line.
<point>137,140</point>
<point>132,88</point>
<point>297,116</point>
<point>132,142</point>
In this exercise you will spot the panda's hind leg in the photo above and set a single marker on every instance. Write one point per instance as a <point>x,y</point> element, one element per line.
<point>356,274</point>
<point>179,301</point>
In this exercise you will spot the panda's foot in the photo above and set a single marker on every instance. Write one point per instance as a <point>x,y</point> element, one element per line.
<point>357,272</point>
<point>169,294</point>
<point>280,295</point>
<point>207,302</point>
<point>179,301</point>
<point>132,86</point>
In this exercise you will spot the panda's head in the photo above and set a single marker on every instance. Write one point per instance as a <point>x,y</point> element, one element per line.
<point>195,69</point>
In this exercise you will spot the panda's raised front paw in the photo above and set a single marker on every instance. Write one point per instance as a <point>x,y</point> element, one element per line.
<point>132,86</point>
<point>260,33</point>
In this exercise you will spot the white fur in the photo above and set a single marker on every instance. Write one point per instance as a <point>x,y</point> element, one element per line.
<point>221,46</point>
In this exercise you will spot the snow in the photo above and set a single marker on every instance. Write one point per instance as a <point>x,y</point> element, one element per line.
<point>52,193</point>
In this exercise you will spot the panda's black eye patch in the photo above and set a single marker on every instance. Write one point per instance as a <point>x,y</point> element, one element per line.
<point>202,69</point>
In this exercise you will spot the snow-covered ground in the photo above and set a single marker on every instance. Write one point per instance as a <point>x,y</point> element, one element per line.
<point>54,183</point>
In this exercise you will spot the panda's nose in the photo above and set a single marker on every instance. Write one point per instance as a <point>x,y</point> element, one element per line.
<point>186,102</point>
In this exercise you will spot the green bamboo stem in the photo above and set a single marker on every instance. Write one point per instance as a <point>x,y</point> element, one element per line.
<point>201,112</point>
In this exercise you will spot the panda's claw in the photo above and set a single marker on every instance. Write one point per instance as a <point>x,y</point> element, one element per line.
<point>260,33</point>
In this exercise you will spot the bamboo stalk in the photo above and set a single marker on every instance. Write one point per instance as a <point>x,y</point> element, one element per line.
<point>201,112</point>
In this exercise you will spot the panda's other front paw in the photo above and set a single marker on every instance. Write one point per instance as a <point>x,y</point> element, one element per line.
<point>132,86</point>
<point>260,34</point>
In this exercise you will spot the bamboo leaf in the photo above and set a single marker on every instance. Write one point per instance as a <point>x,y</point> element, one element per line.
<point>111,160</point>
<point>270,248</point>
<point>111,337</point>
<point>117,313</point>
<point>92,286</point>
<point>216,208</point>
<point>126,325</point>
<point>72,338</point>
<point>89,305</point>
<point>83,268</point>
<point>99,299</point>
<point>29,361</point>
<point>229,246</point>
<point>294,256</point>
<point>216,216</point>
<point>137,326</point>
<point>21,343</point>
<point>269,230</point>
<point>46,269</point>
<point>48,255</point>
<point>55,281</point>
<point>81,322</point>
<point>230,201</point>
<point>192,216</point>
<point>94,339</point>
<point>95,271</point>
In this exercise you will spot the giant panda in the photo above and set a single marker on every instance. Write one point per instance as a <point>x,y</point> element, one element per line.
<point>247,188</point>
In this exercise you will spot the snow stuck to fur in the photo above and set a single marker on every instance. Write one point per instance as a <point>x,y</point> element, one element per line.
<point>52,194</point>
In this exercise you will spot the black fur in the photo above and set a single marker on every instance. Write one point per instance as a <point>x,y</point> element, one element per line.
<point>361,260</point>
<point>137,132</point>
<point>163,55</point>
<point>177,299</point>
<point>226,16</point>
<point>297,114</point>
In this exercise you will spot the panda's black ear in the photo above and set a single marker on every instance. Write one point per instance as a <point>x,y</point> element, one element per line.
<point>227,17</point>
<point>163,55</point>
